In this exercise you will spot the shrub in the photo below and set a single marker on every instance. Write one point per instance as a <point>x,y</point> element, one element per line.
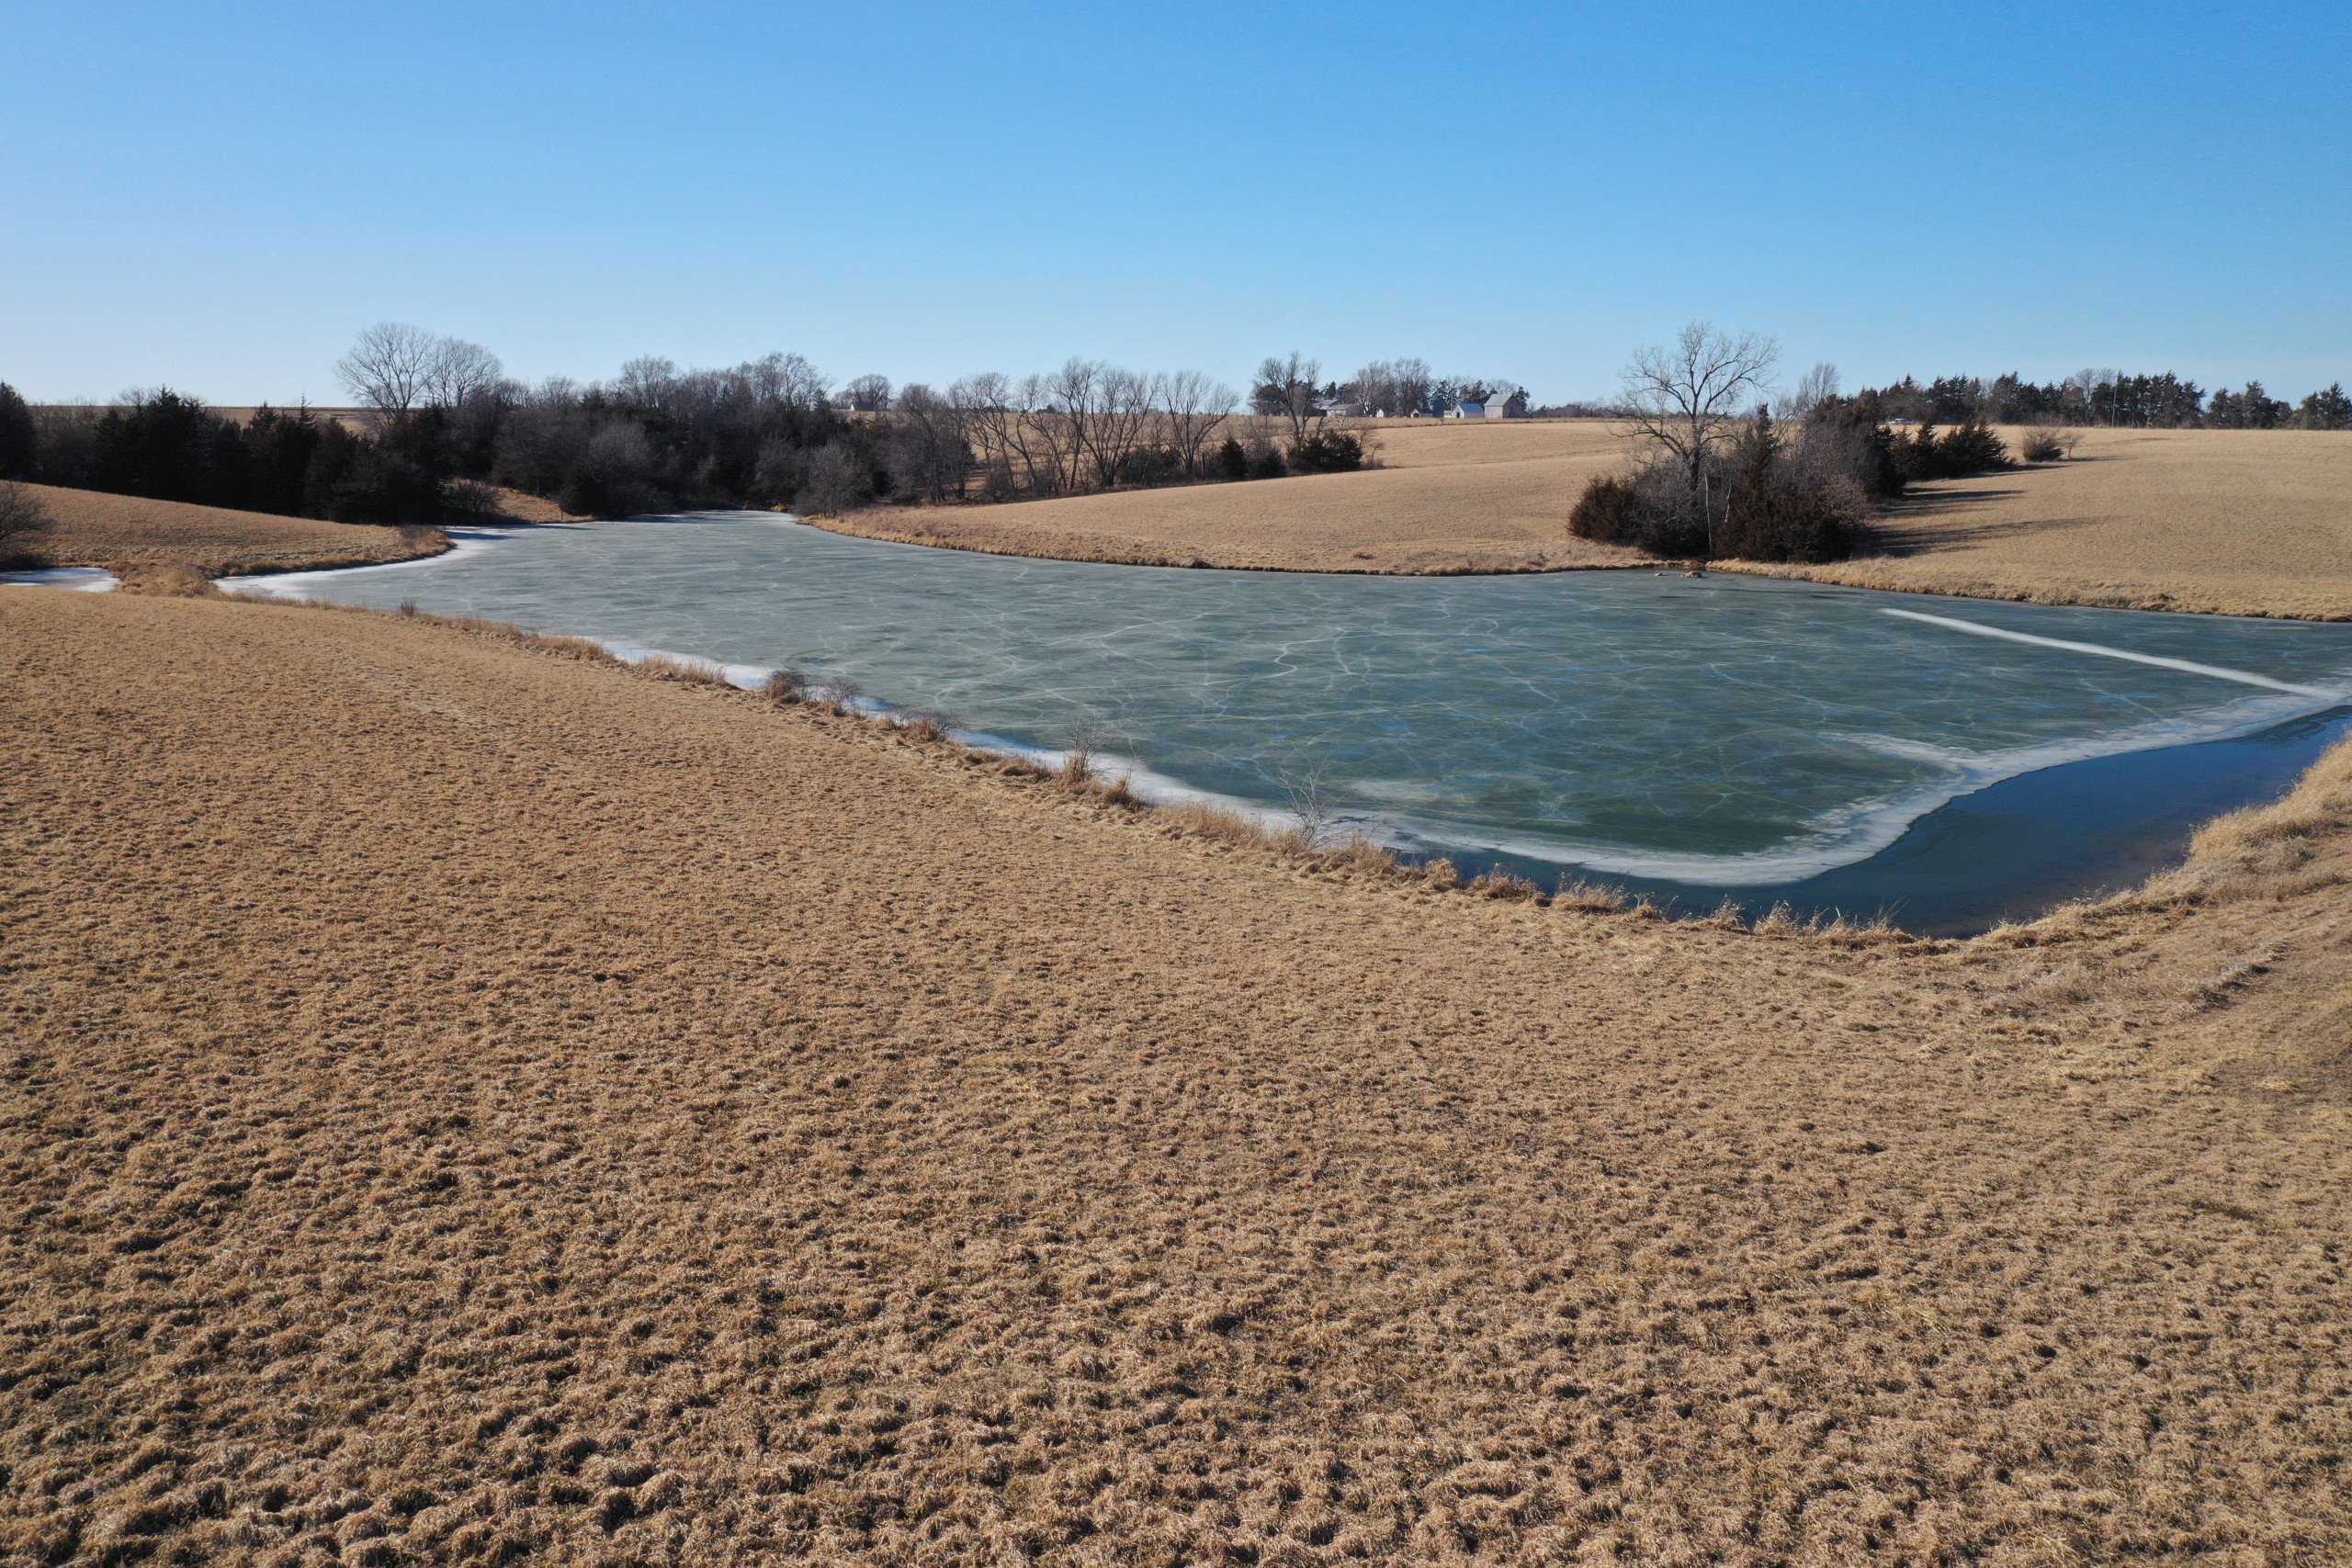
<point>1971,447</point>
<point>1607,512</point>
<point>784,687</point>
<point>837,482</point>
<point>1781,509</point>
<point>470,498</point>
<point>1327,452</point>
<point>838,693</point>
<point>1150,467</point>
<point>1232,461</point>
<point>2047,446</point>
<point>1267,464</point>
<point>1651,509</point>
<point>612,476</point>
<point>384,487</point>
<point>23,519</point>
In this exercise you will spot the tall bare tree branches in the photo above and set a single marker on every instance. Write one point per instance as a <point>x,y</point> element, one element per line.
<point>1285,388</point>
<point>396,367</point>
<point>1195,407</point>
<point>386,366</point>
<point>1686,396</point>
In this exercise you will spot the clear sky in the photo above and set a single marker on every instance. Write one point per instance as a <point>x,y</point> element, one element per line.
<point>219,196</point>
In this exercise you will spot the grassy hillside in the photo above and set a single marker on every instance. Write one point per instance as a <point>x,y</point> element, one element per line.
<point>2244,522</point>
<point>95,528</point>
<point>468,1103</point>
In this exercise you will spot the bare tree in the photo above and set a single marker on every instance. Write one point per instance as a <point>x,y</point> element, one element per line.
<point>995,417</point>
<point>1195,407</point>
<point>22,518</point>
<point>456,370</point>
<point>1398,388</point>
<point>1069,405</point>
<point>649,381</point>
<point>869,394</point>
<point>1685,397</point>
<point>787,379</point>
<point>387,367</point>
<point>1118,420</point>
<point>929,447</point>
<point>1286,388</point>
<point>1816,388</point>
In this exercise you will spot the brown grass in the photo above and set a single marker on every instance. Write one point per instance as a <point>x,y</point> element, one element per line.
<point>129,534</point>
<point>1450,499</point>
<point>2226,522</point>
<point>2234,522</point>
<point>119,531</point>
<point>466,1104</point>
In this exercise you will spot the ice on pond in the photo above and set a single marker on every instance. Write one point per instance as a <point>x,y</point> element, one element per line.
<point>1724,731</point>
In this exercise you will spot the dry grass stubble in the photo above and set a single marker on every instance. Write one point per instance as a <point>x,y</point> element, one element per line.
<point>466,1104</point>
<point>2227,522</point>
<point>126,532</point>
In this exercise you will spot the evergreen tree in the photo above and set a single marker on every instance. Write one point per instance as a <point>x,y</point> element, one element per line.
<point>2330,410</point>
<point>19,446</point>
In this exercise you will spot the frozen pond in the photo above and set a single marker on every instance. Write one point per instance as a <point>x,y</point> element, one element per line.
<point>1711,733</point>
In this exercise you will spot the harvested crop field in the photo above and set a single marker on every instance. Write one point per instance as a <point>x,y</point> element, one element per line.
<point>465,1101</point>
<point>2230,522</point>
<point>1450,498</point>
<point>95,528</point>
<point>2235,522</point>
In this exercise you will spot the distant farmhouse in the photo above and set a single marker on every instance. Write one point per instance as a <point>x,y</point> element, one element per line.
<point>1511,407</point>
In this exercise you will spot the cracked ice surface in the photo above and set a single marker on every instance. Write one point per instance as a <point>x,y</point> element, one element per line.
<point>1726,731</point>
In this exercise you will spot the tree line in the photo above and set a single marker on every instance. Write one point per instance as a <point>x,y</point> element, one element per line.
<point>2108,398</point>
<point>444,421</point>
<point>1384,388</point>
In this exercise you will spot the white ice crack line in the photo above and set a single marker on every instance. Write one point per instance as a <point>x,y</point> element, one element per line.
<point>2242,677</point>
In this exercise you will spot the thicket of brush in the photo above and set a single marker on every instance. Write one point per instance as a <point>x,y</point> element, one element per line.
<point>1773,491</point>
<point>765,432</point>
<point>23,521</point>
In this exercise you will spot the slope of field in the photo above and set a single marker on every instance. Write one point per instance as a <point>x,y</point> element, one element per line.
<point>466,1103</point>
<point>2239,522</point>
<point>94,528</point>
<point>1452,498</point>
<point>2234,522</point>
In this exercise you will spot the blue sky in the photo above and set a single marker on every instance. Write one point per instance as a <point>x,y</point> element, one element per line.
<point>219,196</point>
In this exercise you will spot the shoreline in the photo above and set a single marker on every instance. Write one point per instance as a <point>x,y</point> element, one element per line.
<point>1857,572</point>
<point>1421,841</point>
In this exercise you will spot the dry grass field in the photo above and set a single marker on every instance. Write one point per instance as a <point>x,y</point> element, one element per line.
<point>464,1102</point>
<point>94,528</point>
<point>2232,522</point>
<point>127,532</point>
<point>1452,497</point>
<point>2239,522</point>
